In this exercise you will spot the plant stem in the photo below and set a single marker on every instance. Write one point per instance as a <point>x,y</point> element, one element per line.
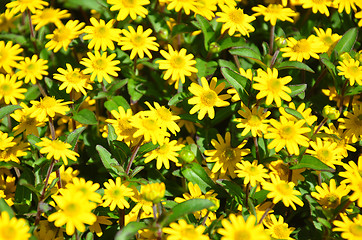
<point>256,148</point>
<point>32,33</point>
<point>121,214</point>
<point>320,126</point>
<point>266,213</point>
<point>271,40</point>
<point>133,156</point>
<point>247,193</point>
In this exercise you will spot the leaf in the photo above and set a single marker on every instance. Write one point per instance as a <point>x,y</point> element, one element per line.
<point>123,149</point>
<point>4,207</point>
<point>228,64</point>
<point>206,29</point>
<point>111,134</point>
<point>205,68</point>
<point>32,139</point>
<point>115,102</point>
<point>297,89</point>
<point>179,97</point>
<point>134,89</point>
<point>248,53</point>
<point>108,161</point>
<point>311,162</point>
<point>129,230</point>
<point>145,148</point>
<point>346,43</point>
<point>325,59</point>
<point>184,208</point>
<point>237,81</point>
<point>73,137</point>
<point>85,116</point>
<point>230,42</point>
<point>7,110</point>
<point>233,189</point>
<point>294,65</point>
<point>294,113</point>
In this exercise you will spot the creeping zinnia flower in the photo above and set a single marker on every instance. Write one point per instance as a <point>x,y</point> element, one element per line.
<point>10,89</point>
<point>48,106</point>
<point>32,69</point>
<point>274,12</point>
<point>9,55</point>
<point>115,194</point>
<point>185,231</point>
<point>13,228</point>
<point>132,8</point>
<point>57,149</point>
<point>298,50</point>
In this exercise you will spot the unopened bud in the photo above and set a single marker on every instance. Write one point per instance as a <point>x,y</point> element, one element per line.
<point>153,192</point>
<point>330,112</point>
<point>214,47</point>
<point>345,56</point>
<point>216,203</point>
<point>186,154</point>
<point>280,42</point>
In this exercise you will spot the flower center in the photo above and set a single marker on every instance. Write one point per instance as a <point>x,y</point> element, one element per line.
<point>29,121</point>
<point>71,209</point>
<point>61,34</point>
<point>177,62</point>
<point>8,232</point>
<point>47,102</point>
<point>356,229</point>
<point>3,55</point>
<point>150,124</point>
<point>163,149</point>
<point>164,114</point>
<point>99,64</point>
<point>254,120</point>
<point>287,132</point>
<point>281,231</point>
<point>274,85</point>
<point>101,32</point>
<point>58,145</point>
<point>74,77</point>
<point>31,67</point>
<point>188,233</point>
<point>332,200</point>
<point>4,89</point>
<point>327,39</point>
<point>117,193</point>
<point>237,16</point>
<point>229,154</point>
<point>324,154</point>
<point>242,234</point>
<point>274,9</point>
<point>208,98</point>
<point>302,46</point>
<point>354,71</point>
<point>129,3</point>
<point>284,189</point>
<point>138,40</point>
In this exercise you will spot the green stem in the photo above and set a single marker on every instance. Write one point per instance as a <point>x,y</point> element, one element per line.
<point>256,148</point>
<point>271,40</point>
<point>133,156</point>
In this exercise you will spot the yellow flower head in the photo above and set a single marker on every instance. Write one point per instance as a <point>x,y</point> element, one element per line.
<point>132,8</point>
<point>330,196</point>
<point>165,116</point>
<point>115,194</point>
<point>45,16</point>
<point>153,192</point>
<point>280,168</point>
<point>10,89</point>
<point>352,123</point>
<point>254,120</point>
<point>32,69</point>
<point>252,173</point>
<point>326,151</point>
<point>351,229</point>
<point>206,97</point>
<point>352,70</point>
<point>87,188</point>
<point>12,228</point>
<point>274,12</point>
<point>9,55</point>
<point>57,149</point>
<point>22,5</point>
<point>318,6</point>
<point>206,8</point>
<point>305,112</point>
<point>186,5</point>
<point>278,229</point>
<point>6,141</point>
<point>7,20</point>
<point>328,39</point>
<point>49,106</point>
<point>346,5</point>
<point>185,231</point>
<point>298,50</point>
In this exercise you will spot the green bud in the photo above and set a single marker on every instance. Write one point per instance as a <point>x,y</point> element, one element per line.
<point>163,34</point>
<point>345,56</point>
<point>186,154</point>
<point>214,47</point>
<point>280,42</point>
<point>330,112</point>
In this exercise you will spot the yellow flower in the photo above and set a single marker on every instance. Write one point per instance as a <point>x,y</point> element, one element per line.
<point>206,97</point>
<point>165,116</point>
<point>184,231</point>
<point>7,187</point>
<point>305,112</point>
<point>101,35</point>
<point>186,5</point>
<point>49,15</point>
<point>328,39</point>
<point>167,151</point>
<point>230,3</point>
<point>235,226</point>
<point>352,70</point>
<point>87,188</point>
<point>278,229</point>
<point>49,106</point>
<point>57,149</point>
<point>115,193</point>
<point>235,19</point>
<point>287,133</point>
<point>73,79</point>
<point>206,8</point>
<point>7,20</point>
<point>318,6</point>
<point>100,66</point>
<point>351,229</point>
<point>139,42</point>
<point>153,192</point>
<point>352,123</point>
<point>74,210</point>
<point>10,89</point>
<point>66,175</point>
<point>47,230</point>
<point>254,120</point>
<point>12,228</point>
<point>133,8</point>
<point>252,173</point>
<point>13,153</point>
<point>281,169</point>
<point>342,141</point>
<point>357,15</point>
<point>32,69</point>
<point>63,35</point>
<point>326,152</point>
<point>8,55</point>
<point>96,228</point>
<point>225,156</point>
<point>274,12</point>
<point>298,50</point>
<point>177,65</point>
<point>282,191</point>
<point>346,5</point>
<point>272,87</point>
<point>26,122</point>
<point>330,196</point>
<point>21,5</point>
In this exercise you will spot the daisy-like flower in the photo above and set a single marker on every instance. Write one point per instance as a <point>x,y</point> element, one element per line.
<point>346,5</point>
<point>32,69</point>
<point>325,151</point>
<point>139,42</point>
<point>133,8</point>
<point>298,50</point>
<point>272,87</point>
<point>358,15</point>
<point>343,143</point>
<point>100,66</point>
<point>207,97</point>
<point>73,79</point>
<point>274,12</point>
<point>352,70</point>
<point>13,228</point>
<point>101,35</point>
<point>153,192</point>
<point>115,194</point>
<point>287,133</point>
<point>351,229</point>
<point>165,116</point>
<point>21,5</point>
<point>330,196</point>
<point>282,191</point>
<point>27,124</point>
<point>225,156</point>
<point>352,123</point>
<point>254,120</point>
<point>235,19</point>
<point>252,173</point>
<point>177,65</point>
<point>63,35</point>
<point>235,226</point>
<point>149,127</point>
<point>74,210</point>
<point>66,175</point>
<point>57,149</point>
<point>206,8</point>
<point>305,112</point>
<point>184,231</point>
<point>96,228</point>
<point>7,20</point>
<point>13,153</point>
<point>328,39</point>
<point>49,15</point>
<point>355,182</point>
<point>277,228</point>
<point>86,188</point>
<point>186,5</point>
<point>48,106</point>
<point>6,141</point>
<point>352,172</point>
<point>9,55</point>
<point>10,89</point>
<point>318,6</point>
<point>280,168</point>
<point>164,153</point>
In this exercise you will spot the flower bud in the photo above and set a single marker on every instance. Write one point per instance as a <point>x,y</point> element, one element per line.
<point>153,192</point>
<point>214,47</point>
<point>280,42</point>
<point>345,56</point>
<point>186,154</point>
<point>216,203</point>
<point>330,112</point>
<point>358,56</point>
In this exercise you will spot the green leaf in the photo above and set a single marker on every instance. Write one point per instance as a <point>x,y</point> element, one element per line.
<point>249,54</point>
<point>325,59</point>
<point>311,162</point>
<point>109,162</point>
<point>32,139</point>
<point>85,116</point>
<point>294,65</point>
<point>145,148</point>
<point>115,102</point>
<point>4,207</point>
<point>325,222</point>
<point>235,190</point>
<point>73,137</point>
<point>184,208</point>
<point>7,110</point>
<point>123,149</point>
<point>134,89</point>
<point>297,89</point>
<point>111,134</point>
<point>179,97</point>
<point>294,113</point>
<point>237,81</point>
<point>230,42</point>
<point>129,230</point>
<point>205,68</point>
<point>346,43</point>
<point>228,64</point>
<point>207,30</point>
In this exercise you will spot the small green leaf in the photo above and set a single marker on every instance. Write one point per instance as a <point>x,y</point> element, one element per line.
<point>325,59</point>
<point>115,102</point>
<point>237,81</point>
<point>179,97</point>
<point>346,43</point>
<point>207,30</point>
<point>32,139</point>
<point>111,134</point>
<point>297,89</point>
<point>325,222</point>
<point>235,190</point>
<point>249,54</point>
<point>230,42</point>
<point>123,149</point>
<point>145,148</point>
<point>4,207</point>
<point>7,110</point>
<point>311,162</point>
<point>108,161</point>
<point>85,116</point>
<point>134,89</point>
<point>205,68</point>
<point>294,65</point>
<point>294,113</point>
<point>129,231</point>
<point>73,137</point>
